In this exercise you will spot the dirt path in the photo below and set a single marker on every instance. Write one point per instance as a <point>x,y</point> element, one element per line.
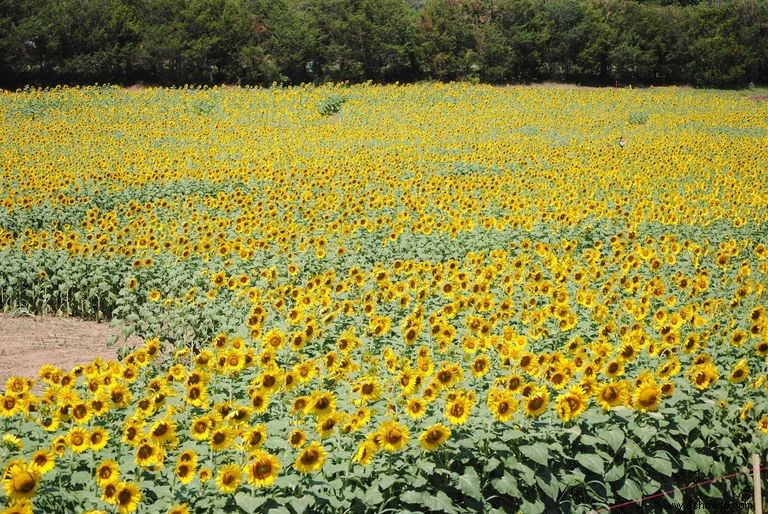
<point>28,342</point>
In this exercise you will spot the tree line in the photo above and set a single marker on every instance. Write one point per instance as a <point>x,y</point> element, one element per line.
<point>260,42</point>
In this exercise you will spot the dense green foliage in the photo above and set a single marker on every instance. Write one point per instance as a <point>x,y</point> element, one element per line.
<point>45,42</point>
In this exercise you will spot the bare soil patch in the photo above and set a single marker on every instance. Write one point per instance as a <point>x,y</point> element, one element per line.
<point>28,342</point>
<point>759,98</point>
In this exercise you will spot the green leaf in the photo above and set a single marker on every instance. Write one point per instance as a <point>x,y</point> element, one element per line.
<point>300,503</point>
<point>373,496</point>
<point>440,502</point>
<point>506,485</point>
<point>591,462</point>
<point>614,438</point>
<point>537,452</point>
<point>469,484</point>
<point>590,441</point>
<point>386,481</point>
<point>645,433</point>
<point>702,462</point>
<point>630,490</point>
<point>249,503</point>
<point>426,466</point>
<point>615,473</point>
<point>661,465</point>
<point>536,507</point>
<point>548,484</point>
<point>412,497</point>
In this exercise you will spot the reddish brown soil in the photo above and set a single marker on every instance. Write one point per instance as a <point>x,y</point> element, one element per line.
<point>28,342</point>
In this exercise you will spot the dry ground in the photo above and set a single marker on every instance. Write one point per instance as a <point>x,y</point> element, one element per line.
<point>27,342</point>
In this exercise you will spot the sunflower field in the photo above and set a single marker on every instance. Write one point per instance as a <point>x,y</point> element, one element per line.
<point>425,298</point>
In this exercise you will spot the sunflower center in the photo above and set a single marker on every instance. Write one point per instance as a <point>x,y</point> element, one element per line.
<point>24,482</point>
<point>124,497</point>
<point>309,457</point>
<point>262,469</point>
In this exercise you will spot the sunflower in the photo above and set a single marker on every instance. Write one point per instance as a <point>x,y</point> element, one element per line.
<point>614,368</point>
<point>98,439</point>
<point>433,437</point>
<point>20,481</point>
<point>416,408</point>
<point>326,426</point>
<point>163,432</point>
<point>127,497</point>
<point>81,413</point>
<point>255,437</point>
<point>311,458</point>
<point>180,508</point>
<point>42,461</point>
<point>612,394</point>
<point>108,472</point>
<point>763,424</point>
<point>369,389</point>
<point>365,453</point>
<point>448,374</point>
<point>11,442</point>
<point>201,428</point>
<point>259,401</point>
<point>571,404</point>
<point>185,470</point>
<point>393,436</point>
<point>221,438</point>
<point>19,507</point>
<point>457,410</point>
<point>739,373</point>
<point>229,477</point>
<point>149,453</point>
<point>536,403</point>
<point>647,397</point>
<point>703,375</point>
<point>262,468</point>
<point>77,438</point>
<point>322,404</point>
<point>297,438</point>
<point>502,405</point>
<point>480,366</point>
<point>109,493</point>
